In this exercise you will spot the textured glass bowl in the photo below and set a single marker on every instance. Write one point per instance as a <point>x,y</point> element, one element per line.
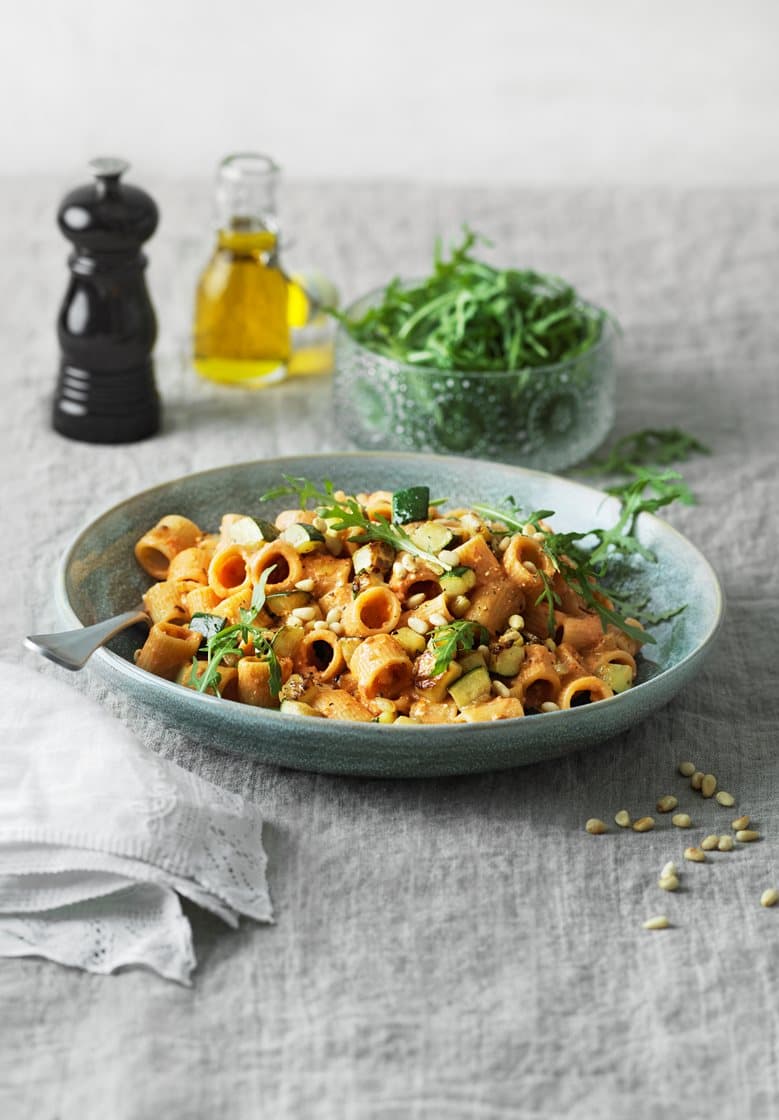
<point>548,418</point>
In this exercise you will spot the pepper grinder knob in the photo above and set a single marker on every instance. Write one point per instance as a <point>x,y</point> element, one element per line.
<point>106,390</point>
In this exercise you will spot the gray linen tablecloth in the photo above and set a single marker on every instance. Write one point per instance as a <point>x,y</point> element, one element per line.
<point>459,948</point>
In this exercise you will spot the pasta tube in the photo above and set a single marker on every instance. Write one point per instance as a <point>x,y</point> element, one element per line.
<point>375,611</point>
<point>584,690</point>
<point>319,654</point>
<point>282,557</point>
<point>171,535</point>
<point>382,667</point>
<point>167,648</point>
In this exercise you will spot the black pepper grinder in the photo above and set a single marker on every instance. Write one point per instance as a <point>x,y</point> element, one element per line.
<point>106,391</point>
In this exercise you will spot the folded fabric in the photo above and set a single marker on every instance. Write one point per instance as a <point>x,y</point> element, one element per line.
<point>99,836</point>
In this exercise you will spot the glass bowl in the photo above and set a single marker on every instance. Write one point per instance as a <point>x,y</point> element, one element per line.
<point>548,418</point>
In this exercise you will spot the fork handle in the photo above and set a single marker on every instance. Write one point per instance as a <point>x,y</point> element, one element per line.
<point>72,648</point>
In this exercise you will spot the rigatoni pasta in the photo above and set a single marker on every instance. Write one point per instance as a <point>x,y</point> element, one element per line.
<point>379,607</point>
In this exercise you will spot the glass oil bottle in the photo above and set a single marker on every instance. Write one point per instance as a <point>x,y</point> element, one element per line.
<point>241,331</point>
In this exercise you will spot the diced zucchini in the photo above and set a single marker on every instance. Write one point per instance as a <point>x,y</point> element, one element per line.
<point>207,625</point>
<point>298,708</point>
<point>471,687</point>
<point>507,661</point>
<point>268,529</point>
<point>472,660</point>
<point>618,677</point>
<point>303,538</point>
<point>458,582</point>
<point>410,504</point>
<point>412,642</point>
<point>250,530</point>
<point>376,556</point>
<point>431,536</point>
<point>280,603</point>
<point>287,640</point>
<point>434,689</point>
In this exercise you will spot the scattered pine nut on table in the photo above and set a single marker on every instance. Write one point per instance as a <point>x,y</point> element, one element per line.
<point>667,803</point>
<point>659,922</point>
<point>595,827</point>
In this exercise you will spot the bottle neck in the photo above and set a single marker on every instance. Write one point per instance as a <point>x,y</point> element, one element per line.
<point>260,243</point>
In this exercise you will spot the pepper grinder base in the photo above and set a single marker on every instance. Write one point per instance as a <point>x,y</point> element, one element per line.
<point>100,407</point>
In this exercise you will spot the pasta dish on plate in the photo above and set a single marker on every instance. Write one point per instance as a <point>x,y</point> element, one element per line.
<point>383,607</point>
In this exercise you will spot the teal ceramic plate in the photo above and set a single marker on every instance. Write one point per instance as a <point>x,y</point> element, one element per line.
<point>100,577</point>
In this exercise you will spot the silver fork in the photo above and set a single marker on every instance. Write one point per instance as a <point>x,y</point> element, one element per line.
<point>72,648</point>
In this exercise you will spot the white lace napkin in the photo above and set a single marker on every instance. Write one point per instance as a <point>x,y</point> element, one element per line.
<point>99,837</point>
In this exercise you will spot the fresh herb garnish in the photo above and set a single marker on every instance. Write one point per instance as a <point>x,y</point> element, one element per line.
<point>347,513</point>
<point>468,315</point>
<point>447,641</point>
<point>648,447</point>
<point>229,642</point>
<point>583,568</point>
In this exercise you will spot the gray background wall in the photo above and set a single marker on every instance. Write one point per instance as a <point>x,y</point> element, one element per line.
<point>535,91</point>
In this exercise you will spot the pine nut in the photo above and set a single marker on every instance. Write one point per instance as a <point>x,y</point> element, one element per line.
<point>305,585</point>
<point>668,870</point>
<point>539,536</point>
<point>595,827</point>
<point>747,835</point>
<point>460,606</point>
<point>708,785</point>
<point>740,822</point>
<point>305,614</point>
<point>336,627</point>
<point>334,614</point>
<point>660,922</point>
<point>727,800</point>
<point>696,781</point>
<point>448,557</point>
<point>530,566</point>
<point>408,561</point>
<point>769,897</point>
<point>644,824</point>
<point>505,542</point>
<point>418,625</point>
<point>694,855</point>
<point>667,803</point>
<point>415,601</point>
<point>668,883</point>
<point>726,844</point>
<point>622,818</point>
<point>320,524</point>
<point>499,688</point>
<point>681,820</point>
<point>550,706</point>
<point>437,619</point>
<point>551,644</point>
<point>320,624</point>
<point>517,622</point>
<point>687,769</point>
<point>709,843</point>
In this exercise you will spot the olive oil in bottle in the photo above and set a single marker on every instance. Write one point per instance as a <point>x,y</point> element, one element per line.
<point>241,333</point>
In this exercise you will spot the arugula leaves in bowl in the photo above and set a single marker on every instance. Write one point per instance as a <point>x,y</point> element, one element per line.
<point>478,360</point>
